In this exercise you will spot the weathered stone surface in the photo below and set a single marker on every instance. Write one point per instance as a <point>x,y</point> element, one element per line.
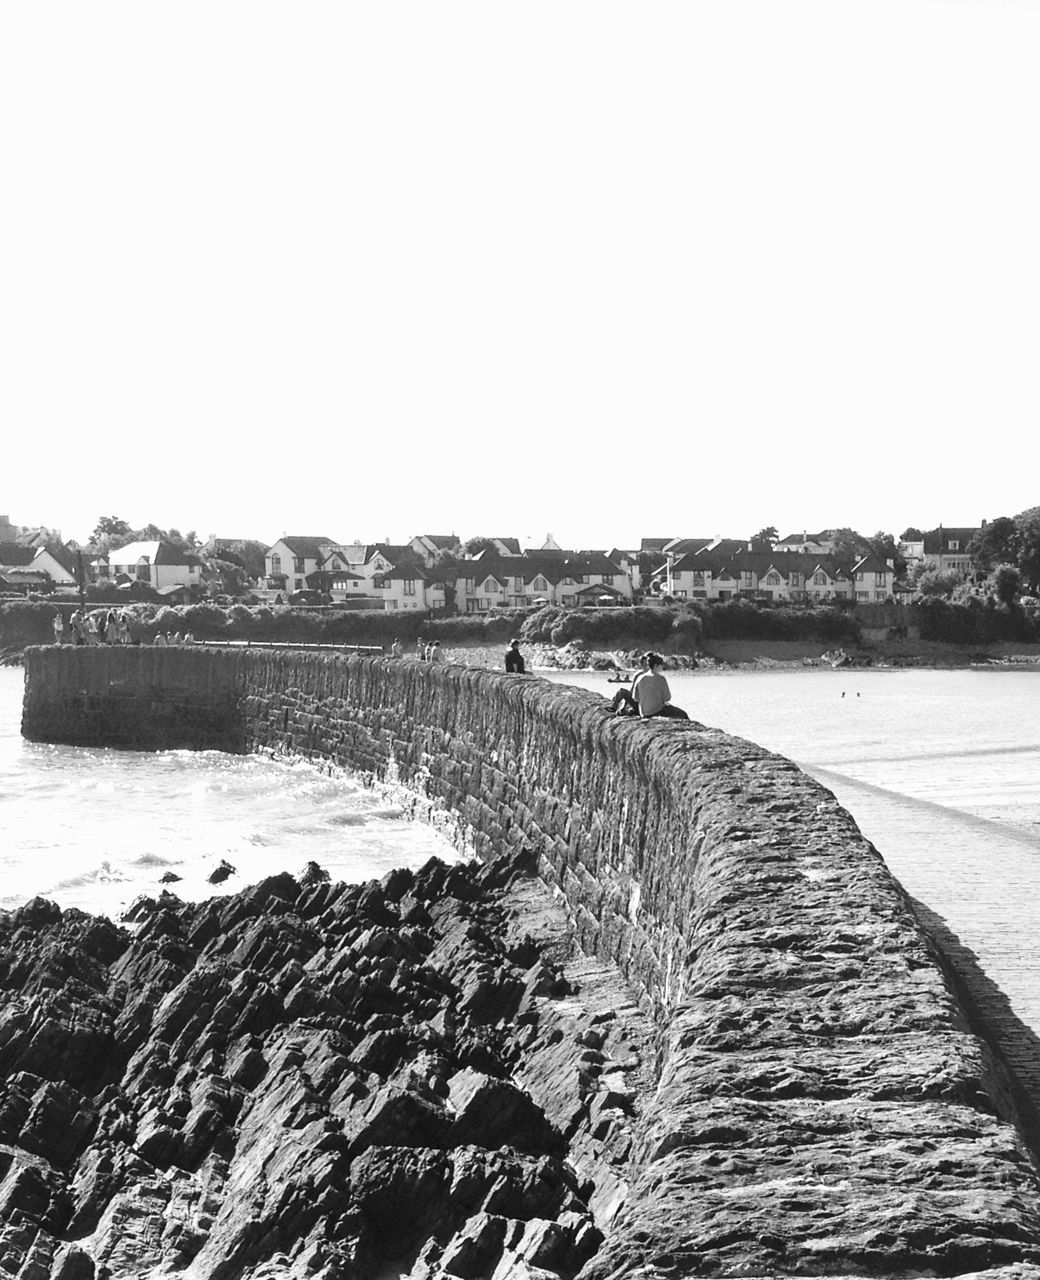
<point>256,1069</point>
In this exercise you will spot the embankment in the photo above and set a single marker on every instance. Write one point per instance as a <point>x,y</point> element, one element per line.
<point>819,1105</point>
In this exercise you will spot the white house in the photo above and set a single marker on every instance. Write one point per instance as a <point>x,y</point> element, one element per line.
<point>159,564</point>
<point>427,545</point>
<point>293,559</point>
<point>27,563</point>
<point>874,579</point>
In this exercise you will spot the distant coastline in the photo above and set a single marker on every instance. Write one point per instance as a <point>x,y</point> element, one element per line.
<point>772,655</point>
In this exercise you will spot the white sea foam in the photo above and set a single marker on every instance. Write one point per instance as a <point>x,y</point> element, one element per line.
<point>94,829</point>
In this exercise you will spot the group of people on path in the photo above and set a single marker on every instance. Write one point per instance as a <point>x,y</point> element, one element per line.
<point>425,651</point>
<point>92,628</point>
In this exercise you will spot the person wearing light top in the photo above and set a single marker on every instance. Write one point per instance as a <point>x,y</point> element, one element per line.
<point>652,694</point>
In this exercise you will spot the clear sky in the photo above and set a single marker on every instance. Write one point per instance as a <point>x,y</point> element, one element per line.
<point>610,271</point>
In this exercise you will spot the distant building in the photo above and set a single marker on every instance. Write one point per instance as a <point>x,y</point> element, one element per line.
<point>159,564</point>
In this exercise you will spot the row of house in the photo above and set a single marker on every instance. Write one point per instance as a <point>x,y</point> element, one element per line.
<point>412,576</point>
<point>418,575</point>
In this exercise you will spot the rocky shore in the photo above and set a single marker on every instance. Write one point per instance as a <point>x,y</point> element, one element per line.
<point>416,1076</point>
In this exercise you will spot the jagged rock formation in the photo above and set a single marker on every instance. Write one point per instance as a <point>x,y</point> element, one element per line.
<point>313,1080</point>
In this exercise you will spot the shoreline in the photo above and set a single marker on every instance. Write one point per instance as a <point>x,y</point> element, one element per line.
<point>759,655</point>
<point>730,655</point>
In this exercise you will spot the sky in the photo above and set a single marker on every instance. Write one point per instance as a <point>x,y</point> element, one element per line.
<point>606,271</point>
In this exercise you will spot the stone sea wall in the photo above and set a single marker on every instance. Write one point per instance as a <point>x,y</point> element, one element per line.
<point>819,1103</point>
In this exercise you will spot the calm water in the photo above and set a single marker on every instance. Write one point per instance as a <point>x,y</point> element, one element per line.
<point>94,829</point>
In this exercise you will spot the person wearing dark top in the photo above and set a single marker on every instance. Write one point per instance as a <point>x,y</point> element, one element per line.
<point>514,658</point>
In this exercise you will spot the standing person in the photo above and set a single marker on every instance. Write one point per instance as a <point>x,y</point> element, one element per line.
<point>78,623</point>
<point>514,658</point>
<point>433,652</point>
<point>395,649</point>
<point>652,694</point>
<point>59,628</point>
<point>420,649</point>
<point>111,628</point>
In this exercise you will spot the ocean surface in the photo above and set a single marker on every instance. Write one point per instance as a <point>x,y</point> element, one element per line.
<point>95,829</point>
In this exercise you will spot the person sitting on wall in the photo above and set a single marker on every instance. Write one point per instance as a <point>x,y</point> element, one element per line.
<point>652,694</point>
<point>514,658</point>
<point>623,702</point>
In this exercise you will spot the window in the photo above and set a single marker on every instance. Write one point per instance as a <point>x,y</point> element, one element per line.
<point>955,544</point>
<point>491,586</point>
<point>297,564</point>
<point>879,579</point>
<point>276,564</point>
<point>698,578</point>
<point>772,579</point>
<point>540,584</point>
<point>298,584</point>
<point>820,579</point>
<point>862,595</point>
<point>409,586</point>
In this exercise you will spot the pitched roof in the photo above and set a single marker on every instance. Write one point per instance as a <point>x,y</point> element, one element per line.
<point>654,544</point>
<point>442,541</point>
<point>155,552</point>
<point>680,546</point>
<point>307,547</point>
<point>938,540</point>
<point>12,553</point>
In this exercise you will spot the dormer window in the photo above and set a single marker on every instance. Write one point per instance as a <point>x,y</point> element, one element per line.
<point>540,584</point>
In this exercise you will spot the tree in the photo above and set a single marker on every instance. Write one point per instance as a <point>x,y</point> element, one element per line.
<point>849,546</point>
<point>444,559</point>
<point>1006,584</point>
<point>109,529</point>
<point>935,582</point>
<point>227,578</point>
<point>885,547</point>
<point>764,539</point>
<point>475,546</point>
<point>1027,528</point>
<point>910,534</point>
<point>995,544</point>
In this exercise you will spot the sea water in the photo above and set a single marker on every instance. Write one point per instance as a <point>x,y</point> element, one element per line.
<point>95,828</point>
